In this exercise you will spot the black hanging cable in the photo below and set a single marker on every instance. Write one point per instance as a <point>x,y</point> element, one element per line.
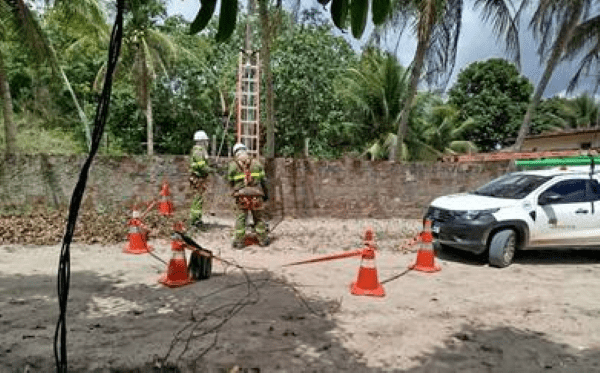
<point>64,270</point>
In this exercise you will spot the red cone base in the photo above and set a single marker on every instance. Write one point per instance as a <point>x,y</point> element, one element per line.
<point>137,244</point>
<point>177,274</point>
<point>367,283</point>
<point>425,262</point>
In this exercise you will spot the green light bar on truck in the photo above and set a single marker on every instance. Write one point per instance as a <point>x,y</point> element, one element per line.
<point>550,162</point>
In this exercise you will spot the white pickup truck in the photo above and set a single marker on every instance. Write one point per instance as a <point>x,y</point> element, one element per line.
<point>555,208</point>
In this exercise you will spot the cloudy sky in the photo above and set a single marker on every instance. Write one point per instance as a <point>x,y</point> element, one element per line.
<point>476,43</point>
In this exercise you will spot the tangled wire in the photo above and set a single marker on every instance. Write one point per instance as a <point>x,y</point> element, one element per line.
<point>207,324</point>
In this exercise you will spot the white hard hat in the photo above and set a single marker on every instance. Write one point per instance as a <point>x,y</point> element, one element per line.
<point>200,135</point>
<point>239,147</point>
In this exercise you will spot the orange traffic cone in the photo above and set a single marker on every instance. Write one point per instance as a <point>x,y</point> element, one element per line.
<point>367,282</point>
<point>426,256</point>
<point>137,237</point>
<point>177,271</point>
<point>165,206</point>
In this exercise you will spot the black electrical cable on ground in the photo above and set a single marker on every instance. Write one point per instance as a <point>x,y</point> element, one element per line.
<point>64,269</point>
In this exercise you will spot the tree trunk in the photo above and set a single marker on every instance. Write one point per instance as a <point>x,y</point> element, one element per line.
<point>80,112</point>
<point>563,38</point>
<point>147,102</point>
<point>266,67</point>
<point>9,125</point>
<point>150,125</point>
<point>396,153</point>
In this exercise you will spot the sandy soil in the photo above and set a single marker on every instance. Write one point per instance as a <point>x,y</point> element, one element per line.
<point>542,314</point>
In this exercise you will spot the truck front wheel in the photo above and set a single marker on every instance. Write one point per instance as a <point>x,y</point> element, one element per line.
<point>502,248</point>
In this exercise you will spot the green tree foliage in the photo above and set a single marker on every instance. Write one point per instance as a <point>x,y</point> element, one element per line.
<point>377,87</point>
<point>585,110</point>
<point>306,61</point>
<point>558,113</point>
<point>147,51</point>
<point>437,26</point>
<point>445,130</point>
<point>197,92</point>
<point>495,95</point>
<point>552,114</point>
<point>434,129</point>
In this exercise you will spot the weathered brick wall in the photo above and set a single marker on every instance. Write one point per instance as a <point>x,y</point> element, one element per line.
<point>358,188</point>
<point>343,188</point>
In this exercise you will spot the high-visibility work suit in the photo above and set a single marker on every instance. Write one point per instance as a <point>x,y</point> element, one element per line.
<point>199,171</point>
<point>247,181</point>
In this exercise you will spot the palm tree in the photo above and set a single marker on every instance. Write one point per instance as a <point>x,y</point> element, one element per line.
<point>435,129</point>
<point>85,22</point>
<point>445,130</point>
<point>555,21</point>
<point>146,51</point>
<point>437,25</point>
<point>19,23</point>
<point>377,87</point>
<point>586,37</point>
<point>586,111</point>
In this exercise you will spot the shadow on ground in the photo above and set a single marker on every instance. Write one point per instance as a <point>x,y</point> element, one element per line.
<point>454,255</point>
<point>251,321</point>
<point>506,350</point>
<point>550,257</point>
<point>525,257</point>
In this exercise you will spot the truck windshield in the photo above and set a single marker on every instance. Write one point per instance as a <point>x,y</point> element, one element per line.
<point>513,185</point>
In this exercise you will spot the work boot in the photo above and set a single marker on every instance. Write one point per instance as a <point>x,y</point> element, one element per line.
<point>264,242</point>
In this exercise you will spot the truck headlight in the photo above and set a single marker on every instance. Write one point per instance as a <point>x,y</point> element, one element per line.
<point>476,214</point>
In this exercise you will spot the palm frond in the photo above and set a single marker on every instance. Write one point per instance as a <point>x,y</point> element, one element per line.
<point>162,42</point>
<point>586,33</point>
<point>462,146</point>
<point>504,24</point>
<point>551,19</point>
<point>440,57</point>
<point>21,20</point>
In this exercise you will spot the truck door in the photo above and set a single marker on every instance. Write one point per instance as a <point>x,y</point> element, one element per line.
<point>564,214</point>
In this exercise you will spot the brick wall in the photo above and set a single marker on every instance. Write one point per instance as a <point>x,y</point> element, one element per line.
<point>345,188</point>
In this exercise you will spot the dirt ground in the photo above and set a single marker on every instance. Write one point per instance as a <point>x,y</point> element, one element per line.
<point>541,314</point>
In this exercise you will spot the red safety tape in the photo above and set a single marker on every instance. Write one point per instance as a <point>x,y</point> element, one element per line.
<point>348,254</point>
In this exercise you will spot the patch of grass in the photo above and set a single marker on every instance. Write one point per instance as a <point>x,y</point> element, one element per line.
<point>33,137</point>
<point>53,141</point>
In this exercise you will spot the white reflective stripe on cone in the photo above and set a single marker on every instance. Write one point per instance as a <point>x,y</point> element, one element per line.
<point>368,263</point>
